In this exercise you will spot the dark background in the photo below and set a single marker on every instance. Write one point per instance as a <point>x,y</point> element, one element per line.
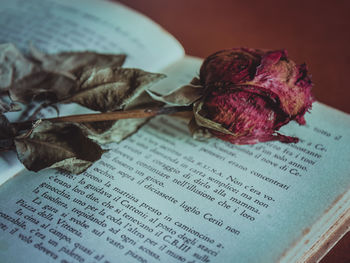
<point>315,32</point>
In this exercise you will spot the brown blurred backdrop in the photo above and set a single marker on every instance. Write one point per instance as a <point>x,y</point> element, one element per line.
<point>315,32</point>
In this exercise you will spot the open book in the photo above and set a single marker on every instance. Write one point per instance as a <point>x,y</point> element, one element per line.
<point>159,195</point>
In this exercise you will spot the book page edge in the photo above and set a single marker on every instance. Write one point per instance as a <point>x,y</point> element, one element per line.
<point>329,239</point>
<point>325,232</point>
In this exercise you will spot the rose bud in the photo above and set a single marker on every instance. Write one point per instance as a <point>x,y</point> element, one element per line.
<point>249,94</point>
<point>245,96</point>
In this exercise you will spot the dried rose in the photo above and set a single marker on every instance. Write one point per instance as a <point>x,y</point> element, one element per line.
<point>245,96</point>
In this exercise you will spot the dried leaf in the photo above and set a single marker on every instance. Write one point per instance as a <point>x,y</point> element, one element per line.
<point>184,96</point>
<point>13,65</point>
<point>42,86</point>
<point>7,132</point>
<point>142,101</point>
<point>205,122</point>
<point>110,89</point>
<point>198,132</point>
<point>101,89</point>
<point>75,63</point>
<point>57,145</point>
<point>56,77</point>
<point>115,133</point>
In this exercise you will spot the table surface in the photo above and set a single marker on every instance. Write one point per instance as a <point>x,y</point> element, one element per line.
<point>314,32</point>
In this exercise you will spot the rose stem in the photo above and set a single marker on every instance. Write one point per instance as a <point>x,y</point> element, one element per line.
<point>109,116</point>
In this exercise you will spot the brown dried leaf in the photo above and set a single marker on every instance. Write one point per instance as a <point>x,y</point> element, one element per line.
<point>198,132</point>
<point>13,65</point>
<point>183,96</point>
<point>142,101</point>
<point>75,63</point>
<point>56,75</point>
<point>98,88</point>
<point>57,145</point>
<point>118,131</point>
<point>110,89</point>
<point>42,86</point>
<point>7,132</point>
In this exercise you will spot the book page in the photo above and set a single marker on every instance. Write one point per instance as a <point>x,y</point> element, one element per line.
<point>101,26</point>
<point>161,196</point>
<point>63,25</point>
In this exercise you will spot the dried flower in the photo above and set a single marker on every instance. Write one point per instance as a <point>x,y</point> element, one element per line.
<point>245,96</point>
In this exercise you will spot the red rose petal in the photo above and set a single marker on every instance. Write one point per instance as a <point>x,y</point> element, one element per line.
<point>229,66</point>
<point>249,116</point>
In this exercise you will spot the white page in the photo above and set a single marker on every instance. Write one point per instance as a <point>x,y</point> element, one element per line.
<point>101,26</point>
<point>160,196</point>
